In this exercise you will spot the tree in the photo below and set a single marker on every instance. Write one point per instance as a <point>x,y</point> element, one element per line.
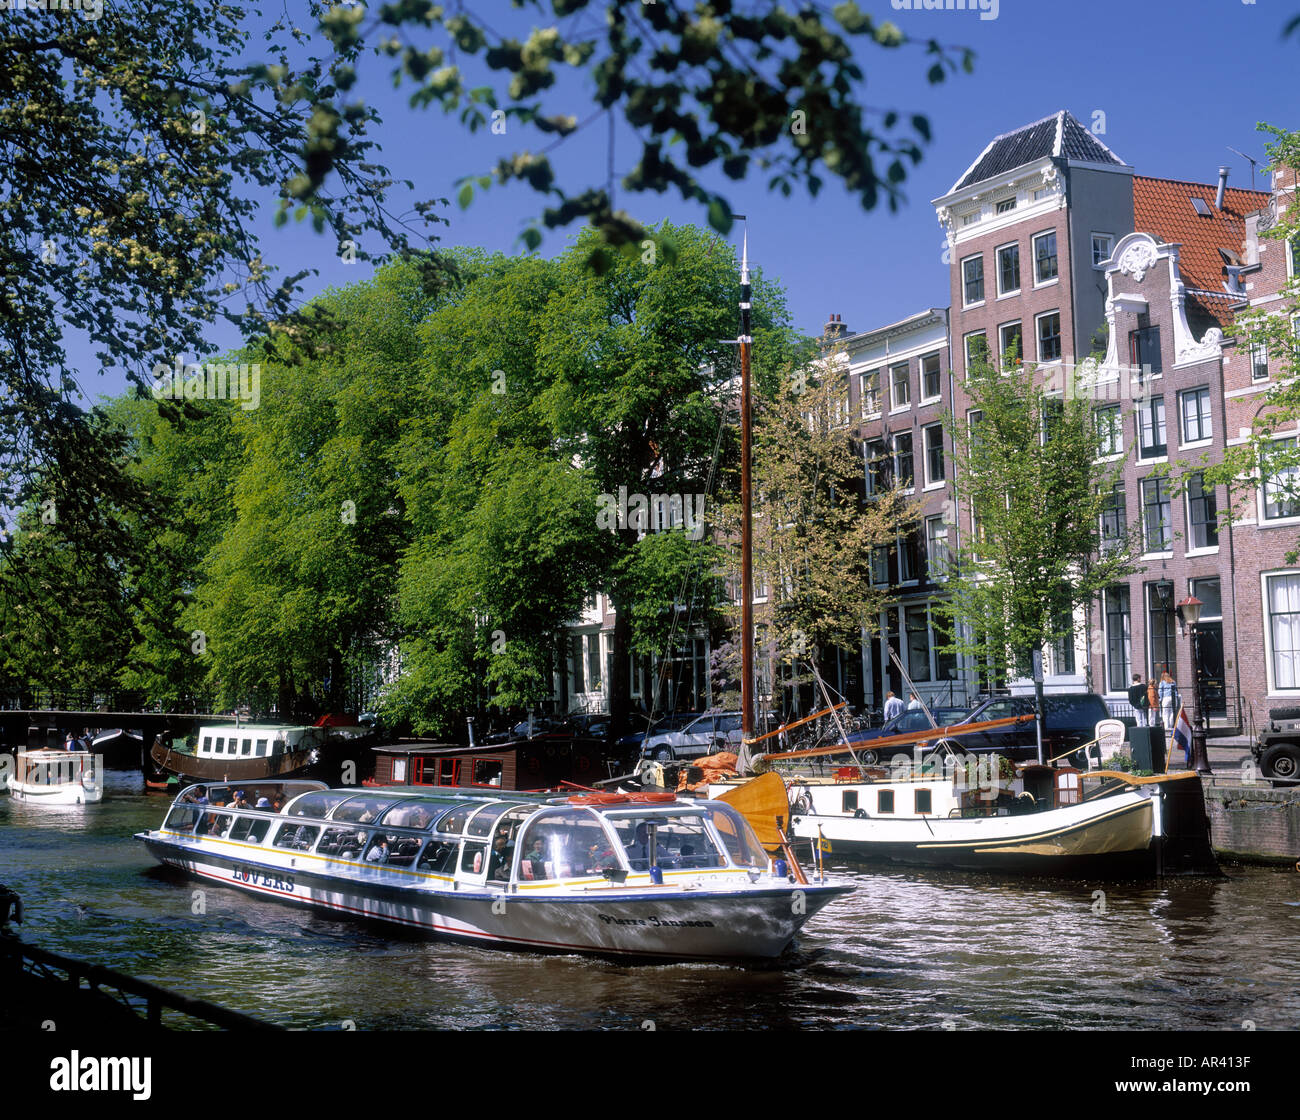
<point>814,530</point>
<point>772,91</point>
<point>1275,332</point>
<point>1029,470</point>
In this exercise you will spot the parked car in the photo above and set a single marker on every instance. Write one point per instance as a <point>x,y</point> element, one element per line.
<point>1277,747</point>
<point>706,734</point>
<point>913,720</point>
<point>1069,721</point>
<point>674,721</point>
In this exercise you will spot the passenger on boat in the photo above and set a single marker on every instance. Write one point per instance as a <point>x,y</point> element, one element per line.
<point>638,852</point>
<point>499,864</point>
<point>277,802</point>
<point>239,801</point>
<point>378,851</point>
<point>535,860</point>
<point>263,803</point>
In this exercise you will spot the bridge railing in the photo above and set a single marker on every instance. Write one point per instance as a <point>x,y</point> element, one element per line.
<point>41,699</point>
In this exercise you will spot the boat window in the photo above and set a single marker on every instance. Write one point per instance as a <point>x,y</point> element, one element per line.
<point>218,795</point>
<point>248,747</point>
<point>392,848</point>
<point>319,804</point>
<point>261,748</point>
<point>207,742</point>
<point>363,810</point>
<point>183,817</point>
<point>277,746</point>
<point>300,837</point>
<point>472,856</point>
<point>221,744</point>
<point>885,801</point>
<point>249,829</point>
<point>453,821</point>
<point>663,841</point>
<point>565,844</point>
<point>737,835</point>
<point>923,800</point>
<point>342,843</point>
<point>483,820</point>
<point>439,858</point>
<point>849,801</point>
<point>487,772</point>
<point>408,814</point>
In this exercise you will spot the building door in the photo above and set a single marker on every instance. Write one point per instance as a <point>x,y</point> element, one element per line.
<point>1209,632</point>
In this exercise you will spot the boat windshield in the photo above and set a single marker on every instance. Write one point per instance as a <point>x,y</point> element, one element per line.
<point>318,804</point>
<point>411,814</point>
<point>737,834</point>
<point>680,840</point>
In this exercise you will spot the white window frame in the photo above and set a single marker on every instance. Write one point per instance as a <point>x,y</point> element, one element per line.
<point>936,529</point>
<point>1274,689</point>
<point>1019,325</point>
<point>1194,549</point>
<point>894,405</point>
<point>1185,439</point>
<point>983,281</point>
<point>898,475</point>
<point>1115,429</point>
<point>1258,351</point>
<point>997,267</point>
<point>1038,340</point>
<point>1163,483</point>
<point>1097,261</point>
<point>966,341</point>
<point>1038,283</point>
<point>1143,410</point>
<point>1265,522</point>
<point>926,398</point>
<point>864,379</point>
<point>933,483</point>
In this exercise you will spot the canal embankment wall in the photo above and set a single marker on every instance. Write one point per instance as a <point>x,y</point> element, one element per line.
<point>1254,823</point>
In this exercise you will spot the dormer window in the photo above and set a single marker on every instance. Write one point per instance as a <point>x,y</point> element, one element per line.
<point>1006,205</point>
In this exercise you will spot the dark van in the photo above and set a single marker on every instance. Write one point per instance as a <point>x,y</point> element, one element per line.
<point>1069,720</point>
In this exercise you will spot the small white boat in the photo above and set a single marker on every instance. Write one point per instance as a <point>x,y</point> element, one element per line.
<point>644,876</point>
<point>53,777</point>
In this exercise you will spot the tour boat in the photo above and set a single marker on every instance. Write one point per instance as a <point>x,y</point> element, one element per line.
<point>54,777</point>
<point>643,876</point>
<point>1029,819</point>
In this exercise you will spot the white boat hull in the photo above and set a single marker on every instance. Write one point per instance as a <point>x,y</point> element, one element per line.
<point>53,777</point>
<point>637,920</point>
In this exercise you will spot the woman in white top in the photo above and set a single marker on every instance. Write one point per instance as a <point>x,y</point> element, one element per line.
<point>1168,701</point>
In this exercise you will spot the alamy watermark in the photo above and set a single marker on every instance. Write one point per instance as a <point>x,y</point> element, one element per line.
<point>90,10</point>
<point>216,381</point>
<point>988,9</point>
<point>656,513</point>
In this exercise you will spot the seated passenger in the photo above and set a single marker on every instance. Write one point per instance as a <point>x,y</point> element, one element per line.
<point>378,851</point>
<point>239,801</point>
<point>638,852</point>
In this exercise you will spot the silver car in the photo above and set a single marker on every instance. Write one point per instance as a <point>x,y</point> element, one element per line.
<point>710,733</point>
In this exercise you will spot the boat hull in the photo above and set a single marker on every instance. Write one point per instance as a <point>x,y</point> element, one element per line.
<point>198,769</point>
<point>650,923</point>
<point>1116,836</point>
<point>72,793</point>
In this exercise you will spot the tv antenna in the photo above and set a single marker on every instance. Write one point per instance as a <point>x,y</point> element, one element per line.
<point>1249,160</point>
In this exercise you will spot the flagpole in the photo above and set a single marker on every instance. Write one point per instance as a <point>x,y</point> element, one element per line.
<point>746,516</point>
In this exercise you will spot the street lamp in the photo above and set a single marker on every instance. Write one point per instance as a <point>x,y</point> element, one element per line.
<point>1189,613</point>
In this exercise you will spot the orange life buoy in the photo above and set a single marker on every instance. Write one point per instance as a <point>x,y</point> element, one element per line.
<point>599,799</point>
<point>652,798</point>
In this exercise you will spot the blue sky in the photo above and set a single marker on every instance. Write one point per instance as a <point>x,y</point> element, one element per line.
<point>1176,84</point>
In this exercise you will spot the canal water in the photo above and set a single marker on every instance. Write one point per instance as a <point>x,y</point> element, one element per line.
<point>907,950</point>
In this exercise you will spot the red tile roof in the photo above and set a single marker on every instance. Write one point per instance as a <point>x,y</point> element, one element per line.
<point>1163,207</point>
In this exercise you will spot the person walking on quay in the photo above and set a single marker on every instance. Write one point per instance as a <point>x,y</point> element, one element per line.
<point>893,706</point>
<point>1153,703</point>
<point>1168,701</point>
<point>913,701</point>
<point>1137,698</point>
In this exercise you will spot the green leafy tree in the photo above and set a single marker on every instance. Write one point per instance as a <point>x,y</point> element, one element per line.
<point>768,91</point>
<point>1030,471</point>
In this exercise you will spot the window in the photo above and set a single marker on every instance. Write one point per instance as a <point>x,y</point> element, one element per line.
<point>1110,430</point>
<point>1282,602</point>
<point>1259,362</point>
<point>1144,348</point>
<point>909,558</point>
<point>1008,269</point>
<point>936,547</point>
<point>977,349</point>
<point>1053,416</point>
<point>934,454</point>
<point>885,801</point>
<point>576,659</point>
<point>931,385</point>
<point>1160,628</point>
<point>880,564</point>
<point>1041,193</point>
<point>1282,482</point>
<point>922,799</point>
<point>1011,345</point>
<point>1195,408</point>
<point>1114,519</point>
<point>1100,249</point>
<point>1202,514</point>
<point>972,275</point>
<point>879,472</point>
<point>1049,336</point>
<point>1006,206</point>
<point>971,219</point>
<point>1151,428</point>
<point>1063,647</point>
<point>871,393</point>
<point>900,385</point>
<point>1157,524</point>
<point>1117,639</point>
<point>917,625</point>
<point>1045,257</point>
<point>903,460</point>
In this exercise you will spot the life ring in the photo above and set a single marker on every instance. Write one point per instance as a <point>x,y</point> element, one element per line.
<point>861,814</point>
<point>599,799</point>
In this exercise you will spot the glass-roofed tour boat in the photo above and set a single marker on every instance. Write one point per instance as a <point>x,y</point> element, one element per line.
<point>639,875</point>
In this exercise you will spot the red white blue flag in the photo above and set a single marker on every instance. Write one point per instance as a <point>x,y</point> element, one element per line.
<point>1183,733</point>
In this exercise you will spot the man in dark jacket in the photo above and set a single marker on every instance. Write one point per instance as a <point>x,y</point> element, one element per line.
<point>1137,696</point>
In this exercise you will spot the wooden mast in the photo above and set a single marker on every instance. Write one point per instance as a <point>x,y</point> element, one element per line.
<point>746,508</point>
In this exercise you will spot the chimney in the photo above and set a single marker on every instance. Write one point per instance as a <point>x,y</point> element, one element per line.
<point>1223,186</point>
<point>835,327</point>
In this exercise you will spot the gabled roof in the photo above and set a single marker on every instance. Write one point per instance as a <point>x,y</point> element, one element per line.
<point>1059,135</point>
<point>1163,208</point>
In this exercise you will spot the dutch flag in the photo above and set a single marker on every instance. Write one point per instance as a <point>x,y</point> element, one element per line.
<point>1183,733</point>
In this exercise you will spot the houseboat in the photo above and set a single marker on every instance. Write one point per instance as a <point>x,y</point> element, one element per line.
<point>53,777</point>
<point>543,762</point>
<point>643,876</point>
<point>1028,819</point>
